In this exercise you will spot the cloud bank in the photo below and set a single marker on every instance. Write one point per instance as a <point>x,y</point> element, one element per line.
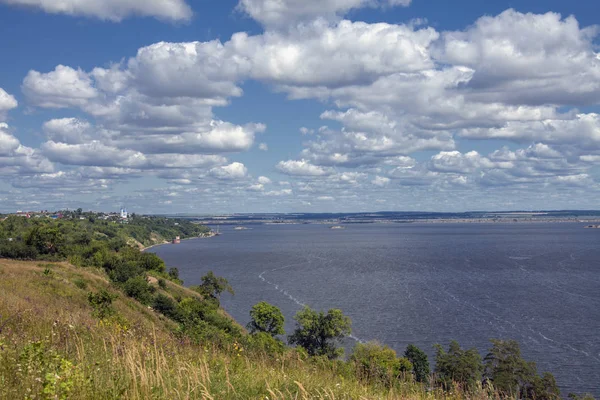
<point>404,108</point>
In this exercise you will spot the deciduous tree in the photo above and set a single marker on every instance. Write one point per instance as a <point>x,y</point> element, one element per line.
<point>418,358</point>
<point>266,318</point>
<point>458,365</point>
<point>318,332</point>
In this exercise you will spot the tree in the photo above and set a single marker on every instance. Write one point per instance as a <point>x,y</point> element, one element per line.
<point>318,332</point>
<point>174,273</point>
<point>266,318</point>
<point>212,286</point>
<point>151,262</point>
<point>505,367</point>
<point>545,388</point>
<point>138,288</point>
<point>47,240</point>
<point>418,358</point>
<point>513,376</point>
<point>458,365</point>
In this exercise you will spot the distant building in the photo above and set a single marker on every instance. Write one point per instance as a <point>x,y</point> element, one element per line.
<point>177,240</point>
<point>124,213</point>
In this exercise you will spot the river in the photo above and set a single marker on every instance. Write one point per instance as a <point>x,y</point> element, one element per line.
<point>424,284</point>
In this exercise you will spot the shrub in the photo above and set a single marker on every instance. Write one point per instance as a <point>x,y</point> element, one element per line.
<point>138,288</point>
<point>162,284</point>
<point>101,302</point>
<point>263,342</point>
<point>166,306</point>
<point>223,323</point>
<point>151,262</point>
<point>18,250</point>
<point>204,333</point>
<point>124,271</point>
<point>192,310</point>
<point>379,364</point>
<point>174,273</point>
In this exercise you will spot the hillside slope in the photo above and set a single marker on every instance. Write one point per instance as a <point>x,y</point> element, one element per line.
<point>53,345</point>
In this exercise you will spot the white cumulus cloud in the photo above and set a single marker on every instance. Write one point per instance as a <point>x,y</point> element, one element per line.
<point>277,13</point>
<point>7,103</point>
<point>301,168</point>
<point>233,171</point>
<point>112,10</point>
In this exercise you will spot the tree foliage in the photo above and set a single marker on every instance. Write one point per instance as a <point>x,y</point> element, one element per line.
<point>379,364</point>
<point>318,332</point>
<point>266,318</point>
<point>213,286</point>
<point>101,302</point>
<point>420,363</point>
<point>458,365</point>
<point>513,376</point>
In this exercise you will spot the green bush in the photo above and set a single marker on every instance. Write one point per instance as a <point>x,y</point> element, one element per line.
<point>174,273</point>
<point>375,363</point>
<point>166,306</point>
<point>124,271</point>
<point>223,323</point>
<point>101,302</point>
<point>138,288</point>
<point>193,310</point>
<point>151,262</point>
<point>263,342</point>
<point>205,334</point>
<point>18,251</point>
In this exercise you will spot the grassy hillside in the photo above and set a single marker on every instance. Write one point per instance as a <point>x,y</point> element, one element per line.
<point>53,346</point>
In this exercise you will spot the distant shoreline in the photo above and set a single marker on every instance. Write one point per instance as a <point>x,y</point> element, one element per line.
<point>413,221</point>
<point>210,235</point>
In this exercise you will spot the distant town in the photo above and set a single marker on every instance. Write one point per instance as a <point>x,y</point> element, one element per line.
<point>589,217</point>
<point>120,216</point>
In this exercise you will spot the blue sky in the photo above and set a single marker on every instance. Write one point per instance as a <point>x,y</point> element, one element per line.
<point>288,105</point>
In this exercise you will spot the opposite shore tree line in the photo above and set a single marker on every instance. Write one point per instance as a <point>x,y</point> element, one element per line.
<point>108,247</point>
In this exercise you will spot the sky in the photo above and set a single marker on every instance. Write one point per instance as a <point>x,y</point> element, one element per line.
<point>224,106</point>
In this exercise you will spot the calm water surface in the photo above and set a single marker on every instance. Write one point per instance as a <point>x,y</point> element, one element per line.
<point>424,284</point>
